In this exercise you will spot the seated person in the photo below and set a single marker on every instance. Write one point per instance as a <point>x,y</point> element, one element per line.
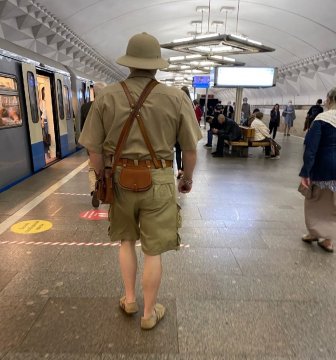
<point>248,121</point>
<point>261,134</point>
<point>229,130</point>
<point>212,121</point>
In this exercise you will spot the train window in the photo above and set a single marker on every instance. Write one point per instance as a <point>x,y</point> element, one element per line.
<point>10,113</point>
<point>66,96</point>
<point>32,97</point>
<point>8,83</point>
<point>60,99</point>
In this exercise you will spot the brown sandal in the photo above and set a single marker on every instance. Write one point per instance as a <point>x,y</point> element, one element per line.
<point>308,239</point>
<point>159,312</point>
<point>327,247</point>
<point>128,308</point>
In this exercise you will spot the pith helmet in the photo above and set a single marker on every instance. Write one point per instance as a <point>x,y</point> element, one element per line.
<point>143,52</point>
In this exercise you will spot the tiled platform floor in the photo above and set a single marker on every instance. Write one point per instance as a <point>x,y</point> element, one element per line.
<point>243,286</point>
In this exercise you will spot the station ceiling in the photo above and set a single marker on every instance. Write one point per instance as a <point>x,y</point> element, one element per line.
<point>88,35</point>
<point>297,29</point>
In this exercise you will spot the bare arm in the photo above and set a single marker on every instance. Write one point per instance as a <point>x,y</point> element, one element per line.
<point>97,162</point>
<point>189,161</point>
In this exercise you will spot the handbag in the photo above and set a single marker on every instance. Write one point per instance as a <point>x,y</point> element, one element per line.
<point>104,187</point>
<point>132,179</point>
<point>306,192</point>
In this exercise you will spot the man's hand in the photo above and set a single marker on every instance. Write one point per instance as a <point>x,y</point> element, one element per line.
<point>184,187</point>
<point>305,182</point>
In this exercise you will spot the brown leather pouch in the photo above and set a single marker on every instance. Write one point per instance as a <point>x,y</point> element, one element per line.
<point>104,187</point>
<point>135,178</point>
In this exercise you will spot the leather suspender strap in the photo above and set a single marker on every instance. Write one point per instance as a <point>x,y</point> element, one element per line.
<point>129,122</point>
<point>142,126</point>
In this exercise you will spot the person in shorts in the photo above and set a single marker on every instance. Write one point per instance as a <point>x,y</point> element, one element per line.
<point>152,215</point>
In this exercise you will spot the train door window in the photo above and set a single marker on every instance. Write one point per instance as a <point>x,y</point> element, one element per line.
<point>32,97</point>
<point>91,93</point>
<point>10,113</point>
<point>66,96</point>
<point>49,134</point>
<point>60,99</point>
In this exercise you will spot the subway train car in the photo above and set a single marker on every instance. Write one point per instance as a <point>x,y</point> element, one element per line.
<point>39,122</point>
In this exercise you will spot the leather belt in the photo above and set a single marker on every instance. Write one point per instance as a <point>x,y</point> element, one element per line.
<point>144,163</point>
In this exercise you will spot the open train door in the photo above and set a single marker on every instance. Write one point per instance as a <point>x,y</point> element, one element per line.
<point>33,113</point>
<point>67,96</point>
<point>61,115</point>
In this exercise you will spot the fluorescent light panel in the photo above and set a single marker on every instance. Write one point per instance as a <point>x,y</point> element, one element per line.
<point>211,44</point>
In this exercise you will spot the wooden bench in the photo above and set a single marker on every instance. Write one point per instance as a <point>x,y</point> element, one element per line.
<point>241,147</point>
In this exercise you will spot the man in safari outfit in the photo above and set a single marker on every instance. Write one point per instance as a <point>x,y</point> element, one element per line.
<point>151,215</point>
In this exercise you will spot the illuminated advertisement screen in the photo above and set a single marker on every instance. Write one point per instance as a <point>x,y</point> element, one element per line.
<point>201,81</point>
<point>247,77</point>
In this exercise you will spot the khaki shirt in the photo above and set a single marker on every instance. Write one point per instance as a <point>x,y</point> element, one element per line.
<point>167,113</point>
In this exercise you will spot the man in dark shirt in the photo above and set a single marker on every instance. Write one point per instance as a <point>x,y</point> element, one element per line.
<point>229,130</point>
<point>228,111</point>
<point>312,113</point>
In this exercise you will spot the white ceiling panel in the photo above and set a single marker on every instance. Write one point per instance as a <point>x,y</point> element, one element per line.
<point>296,28</point>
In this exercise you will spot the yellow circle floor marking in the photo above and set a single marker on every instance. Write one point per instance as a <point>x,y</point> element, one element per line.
<point>31,227</point>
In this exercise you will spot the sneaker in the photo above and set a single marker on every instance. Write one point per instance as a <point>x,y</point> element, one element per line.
<point>159,312</point>
<point>208,145</point>
<point>128,308</point>
<point>95,202</point>
<point>275,157</point>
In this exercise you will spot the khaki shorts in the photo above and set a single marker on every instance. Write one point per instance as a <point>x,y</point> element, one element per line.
<point>151,216</point>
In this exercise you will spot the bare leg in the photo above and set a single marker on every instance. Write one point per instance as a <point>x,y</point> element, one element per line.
<point>128,267</point>
<point>151,280</point>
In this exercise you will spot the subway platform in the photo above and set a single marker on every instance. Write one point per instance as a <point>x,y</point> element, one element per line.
<point>243,285</point>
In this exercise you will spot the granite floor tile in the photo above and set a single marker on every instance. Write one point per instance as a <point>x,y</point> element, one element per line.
<point>21,257</point>
<point>206,261</point>
<point>279,287</point>
<point>262,261</point>
<point>311,328</point>
<point>17,317</point>
<point>36,356</point>
<point>170,357</point>
<point>241,328</point>
<point>86,259</point>
<point>65,284</point>
<point>98,326</point>
<point>5,278</point>
<point>230,239</point>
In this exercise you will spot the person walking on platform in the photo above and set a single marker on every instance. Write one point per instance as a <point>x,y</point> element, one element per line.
<point>289,116</point>
<point>318,177</point>
<point>274,121</point>
<point>312,113</point>
<point>178,151</point>
<point>85,108</point>
<point>246,110</point>
<point>132,128</point>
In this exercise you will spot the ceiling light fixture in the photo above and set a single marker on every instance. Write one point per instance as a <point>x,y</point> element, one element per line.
<point>217,44</point>
<point>199,62</point>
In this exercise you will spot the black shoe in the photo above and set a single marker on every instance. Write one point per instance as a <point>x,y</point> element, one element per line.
<point>208,145</point>
<point>95,202</point>
<point>217,154</point>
